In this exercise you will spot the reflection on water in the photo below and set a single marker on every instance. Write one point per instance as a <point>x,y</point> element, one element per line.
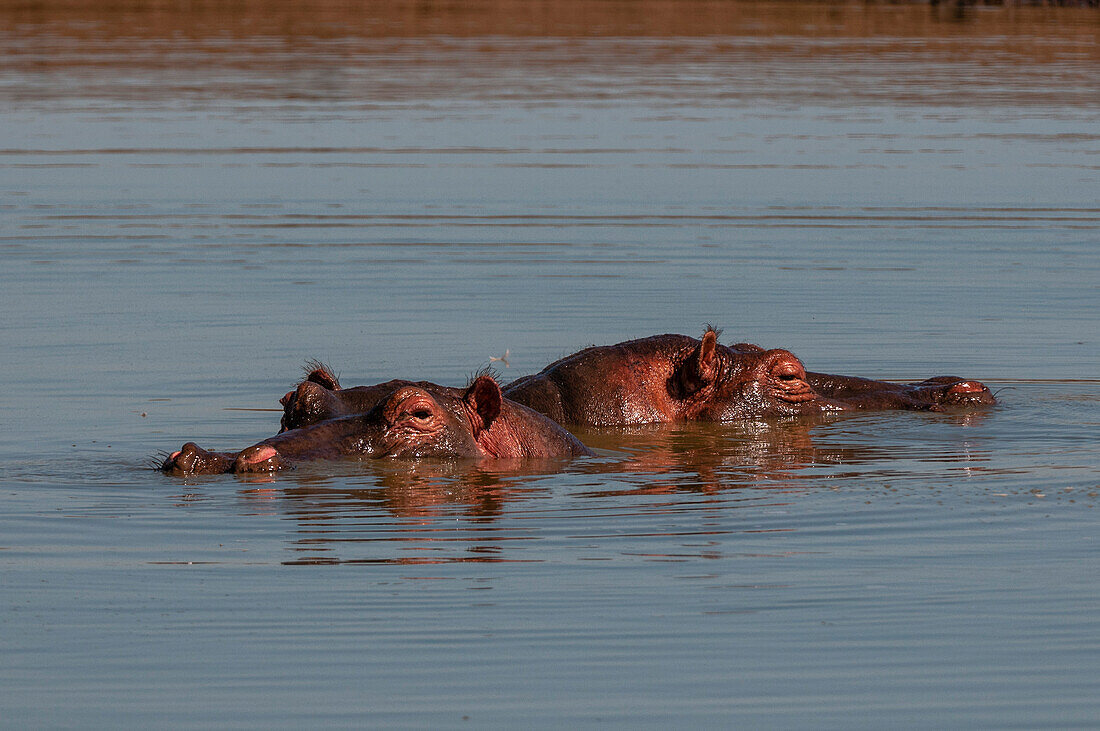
<point>339,61</point>
<point>195,198</point>
<point>397,511</point>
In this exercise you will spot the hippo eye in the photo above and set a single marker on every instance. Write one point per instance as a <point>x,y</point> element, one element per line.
<point>412,409</point>
<point>418,411</point>
<point>788,372</point>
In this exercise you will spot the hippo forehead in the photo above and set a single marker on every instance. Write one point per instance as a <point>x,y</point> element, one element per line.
<point>767,359</point>
<point>404,395</point>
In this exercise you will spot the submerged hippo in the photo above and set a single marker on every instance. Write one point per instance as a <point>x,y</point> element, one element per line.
<point>410,420</point>
<point>668,378</point>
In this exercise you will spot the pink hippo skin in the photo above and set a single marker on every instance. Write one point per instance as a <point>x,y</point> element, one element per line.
<point>668,378</point>
<point>410,420</point>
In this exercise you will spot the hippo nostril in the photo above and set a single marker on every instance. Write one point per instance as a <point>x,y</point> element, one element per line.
<point>260,458</point>
<point>968,387</point>
<point>258,454</point>
<point>787,372</point>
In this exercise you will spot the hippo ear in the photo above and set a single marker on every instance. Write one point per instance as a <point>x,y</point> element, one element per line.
<point>484,397</point>
<point>704,354</point>
<point>699,368</point>
<point>321,374</point>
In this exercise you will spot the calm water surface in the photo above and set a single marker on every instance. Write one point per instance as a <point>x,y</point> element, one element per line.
<point>194,203</point>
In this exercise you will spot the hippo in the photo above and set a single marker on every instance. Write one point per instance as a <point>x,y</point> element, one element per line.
<point>670,378</point>
<point>411,420</point>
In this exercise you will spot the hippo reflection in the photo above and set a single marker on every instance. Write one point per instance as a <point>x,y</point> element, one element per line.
<point>663,468</point>
<point>410,420</point>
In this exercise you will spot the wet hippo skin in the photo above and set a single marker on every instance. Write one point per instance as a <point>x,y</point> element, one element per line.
<point>668,378</point>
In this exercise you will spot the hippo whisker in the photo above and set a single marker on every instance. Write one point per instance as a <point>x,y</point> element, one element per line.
<point>484,371</point>
<point>156,460</point>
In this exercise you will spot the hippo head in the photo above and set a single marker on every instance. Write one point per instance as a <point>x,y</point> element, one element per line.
<point>775,383</point>
<point>416,421</point>
<point>412,420</point>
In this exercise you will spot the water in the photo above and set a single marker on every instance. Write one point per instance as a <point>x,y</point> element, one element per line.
<point>193,203</point>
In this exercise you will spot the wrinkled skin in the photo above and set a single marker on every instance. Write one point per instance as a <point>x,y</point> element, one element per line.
<point>411,421</point>
<point>669,378</point>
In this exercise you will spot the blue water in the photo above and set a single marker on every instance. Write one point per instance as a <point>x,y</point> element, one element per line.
<point>184,221</point>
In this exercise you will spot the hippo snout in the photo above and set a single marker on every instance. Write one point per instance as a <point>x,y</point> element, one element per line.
<point>260,458</point>
<point>191,459</point>
<point>968,392</point>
